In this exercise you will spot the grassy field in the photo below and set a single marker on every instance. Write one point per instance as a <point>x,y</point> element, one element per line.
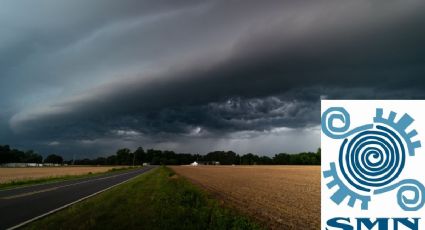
<point>16,177</point>
<point>156,200</point>
<point>282,197</point>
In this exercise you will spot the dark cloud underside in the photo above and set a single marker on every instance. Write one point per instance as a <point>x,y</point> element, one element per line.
<point>201,74</point>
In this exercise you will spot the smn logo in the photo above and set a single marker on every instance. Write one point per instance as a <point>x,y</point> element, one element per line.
<point>366,223</point>
<point>371,164</point>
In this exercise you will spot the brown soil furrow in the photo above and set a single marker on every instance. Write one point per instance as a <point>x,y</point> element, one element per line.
<point>282,197</point>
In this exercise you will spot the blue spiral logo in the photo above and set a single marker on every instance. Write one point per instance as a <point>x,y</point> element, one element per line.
<point>407,186</point>
<point>340,114</point>
<point>373,158</point>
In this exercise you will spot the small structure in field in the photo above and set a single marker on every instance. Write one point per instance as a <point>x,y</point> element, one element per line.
<point>194,163</point>
<point>22,165</point>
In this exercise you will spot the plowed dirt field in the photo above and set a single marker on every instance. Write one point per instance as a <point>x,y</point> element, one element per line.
<point>281,197</point>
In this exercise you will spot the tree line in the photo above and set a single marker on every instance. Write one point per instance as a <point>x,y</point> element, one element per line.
<point>9,155</point>
<point>156,157</point>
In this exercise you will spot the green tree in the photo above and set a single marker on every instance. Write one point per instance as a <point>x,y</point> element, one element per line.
<point>124,156</point>
<point>54,159</point>
<point>32,157</point>
<point>140,156</point>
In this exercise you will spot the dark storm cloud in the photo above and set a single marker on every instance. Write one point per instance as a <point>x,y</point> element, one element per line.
<point>157,70</point>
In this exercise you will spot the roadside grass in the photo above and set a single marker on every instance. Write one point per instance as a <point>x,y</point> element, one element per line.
<point>43,180</point>
<point>158,199</point>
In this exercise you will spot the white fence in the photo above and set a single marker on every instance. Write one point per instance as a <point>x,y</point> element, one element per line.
<point>23,165</point>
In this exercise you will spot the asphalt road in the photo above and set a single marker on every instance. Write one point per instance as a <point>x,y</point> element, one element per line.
<point>23,204</point>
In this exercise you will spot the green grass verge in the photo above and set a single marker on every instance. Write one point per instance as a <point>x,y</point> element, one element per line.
<point>155,200</point>
<point>27,182</point>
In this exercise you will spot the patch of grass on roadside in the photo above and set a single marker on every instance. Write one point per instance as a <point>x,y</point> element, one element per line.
<point>158,199</point>
<point>27,182</point>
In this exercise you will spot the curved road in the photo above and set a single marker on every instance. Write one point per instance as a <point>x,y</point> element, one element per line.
<point>22,205</point>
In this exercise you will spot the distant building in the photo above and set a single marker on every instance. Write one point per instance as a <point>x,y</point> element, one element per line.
<point>196,163</point>
<point>24,165</point>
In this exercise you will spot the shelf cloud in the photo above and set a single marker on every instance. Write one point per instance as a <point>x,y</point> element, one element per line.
<point>197,76</point>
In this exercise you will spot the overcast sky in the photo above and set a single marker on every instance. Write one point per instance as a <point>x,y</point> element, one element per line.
<point>88,77</point>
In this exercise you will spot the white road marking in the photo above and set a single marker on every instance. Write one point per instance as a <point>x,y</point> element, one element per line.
<point>67,205</point>
<point>46,183</point>
<point>58,187</point>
